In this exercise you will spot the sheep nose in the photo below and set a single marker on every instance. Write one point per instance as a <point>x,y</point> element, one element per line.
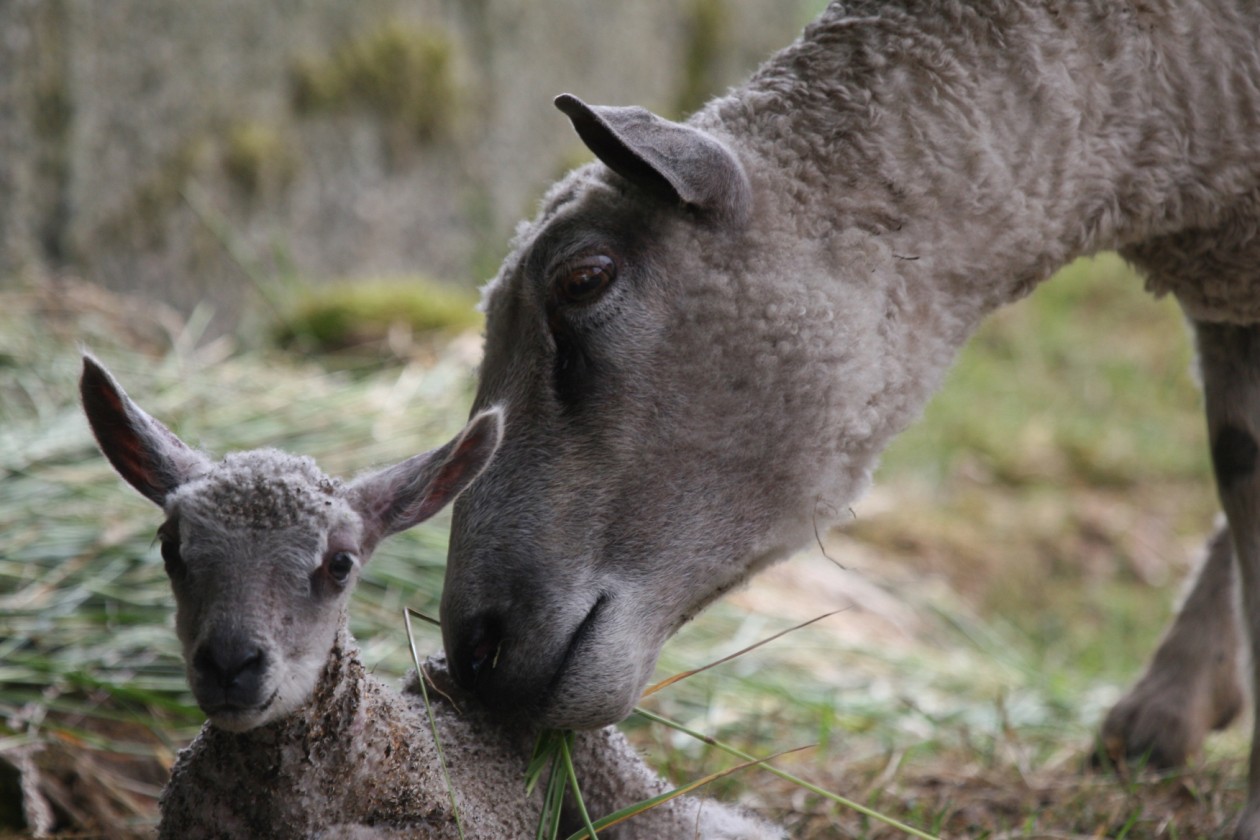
<point>477,649</point>
<point>233,665</point>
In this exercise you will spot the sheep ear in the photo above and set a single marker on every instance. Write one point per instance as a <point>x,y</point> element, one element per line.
<point>694,167</point>
<point>396,498</point>
<point>147,454</point>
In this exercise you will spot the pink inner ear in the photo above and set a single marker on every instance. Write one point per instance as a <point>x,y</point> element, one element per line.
<point>113,398</point>
<point>137,464</point>
<point>450,480</point>
<point>399,497</point>
<point>140,448</point>
<point>135,459</point>
<point>444,487</point>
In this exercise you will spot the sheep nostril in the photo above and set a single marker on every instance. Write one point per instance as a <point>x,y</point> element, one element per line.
<point>484,653</point>
<point>479,651</point>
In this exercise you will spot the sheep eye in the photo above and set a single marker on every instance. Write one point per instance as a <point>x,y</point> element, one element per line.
<point>168,536</point>
<point>340,565</point>
<point>584,279</point>
<point>171,558</point>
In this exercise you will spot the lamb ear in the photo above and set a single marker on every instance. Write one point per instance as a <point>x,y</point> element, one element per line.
<point>396,498</point>
<point>147,454</point>
<point>653,152</point>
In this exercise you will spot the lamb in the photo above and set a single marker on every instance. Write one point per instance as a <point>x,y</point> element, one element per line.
<point>707,336</point>
<point>262,550</point>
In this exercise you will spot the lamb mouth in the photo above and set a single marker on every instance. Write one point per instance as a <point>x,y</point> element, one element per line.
<point>580,635</point>
<point>236,710</point>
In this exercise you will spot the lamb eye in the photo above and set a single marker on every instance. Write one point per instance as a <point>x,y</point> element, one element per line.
<point>340,565</point>
<point>584,279</point>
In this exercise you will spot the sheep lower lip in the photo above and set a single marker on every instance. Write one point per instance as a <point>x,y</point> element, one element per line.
<point>579,636</point>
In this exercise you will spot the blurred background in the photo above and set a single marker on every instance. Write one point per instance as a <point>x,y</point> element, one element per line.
<point>270,221</point>
<point>190,153</point>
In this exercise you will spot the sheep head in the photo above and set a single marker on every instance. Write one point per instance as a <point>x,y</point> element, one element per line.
<point>691,386</point>
<point>263,549</point>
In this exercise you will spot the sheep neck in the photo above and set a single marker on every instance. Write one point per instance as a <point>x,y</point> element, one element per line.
<point>988,150</point>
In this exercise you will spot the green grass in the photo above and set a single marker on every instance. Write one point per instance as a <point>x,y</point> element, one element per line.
<point>354,314</point>
<point>1001,585</point>
<point>1088,381</point>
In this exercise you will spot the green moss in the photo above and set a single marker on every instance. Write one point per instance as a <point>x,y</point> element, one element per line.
<point>399,71</point>
<point>256,155</point>
<point>707,27</point>
<point>346,314</point>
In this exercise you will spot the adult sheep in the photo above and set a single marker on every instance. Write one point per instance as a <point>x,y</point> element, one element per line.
<point>706,337</point>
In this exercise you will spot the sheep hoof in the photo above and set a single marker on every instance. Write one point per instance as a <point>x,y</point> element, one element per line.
<point>1161,723</point>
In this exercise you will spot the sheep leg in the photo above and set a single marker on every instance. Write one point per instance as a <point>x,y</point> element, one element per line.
<point>1229,357</point>
<point>1193,683</point>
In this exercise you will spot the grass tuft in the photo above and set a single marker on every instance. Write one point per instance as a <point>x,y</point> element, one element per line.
<point>368,314</point>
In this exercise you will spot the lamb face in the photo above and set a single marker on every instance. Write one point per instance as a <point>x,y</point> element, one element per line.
<point>262,552</point>
<point>262,548</point>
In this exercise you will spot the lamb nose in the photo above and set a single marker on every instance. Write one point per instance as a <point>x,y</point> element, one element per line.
<point>230,665</point>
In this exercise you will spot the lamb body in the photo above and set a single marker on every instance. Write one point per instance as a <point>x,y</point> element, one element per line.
<point>359,760</point>
<point>358,754</point>
<point>262,550</point>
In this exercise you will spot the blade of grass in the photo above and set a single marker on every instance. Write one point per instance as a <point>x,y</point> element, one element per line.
<point>782,774</point>
<point>544,751</point>
<point>682,675</point>
<point>566,754</point>
<point>428,707</point>
<point>553,805</point>
<point>424,617</point>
